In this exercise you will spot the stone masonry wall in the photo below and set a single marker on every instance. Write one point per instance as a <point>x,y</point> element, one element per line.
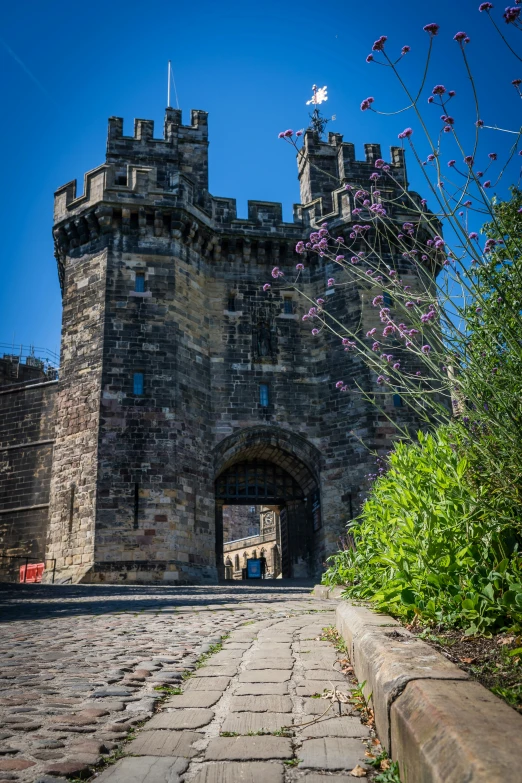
<point>26,446</point>
<point>74,475</point>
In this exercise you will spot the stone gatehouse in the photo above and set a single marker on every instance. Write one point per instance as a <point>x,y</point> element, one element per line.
<point>183,386</point>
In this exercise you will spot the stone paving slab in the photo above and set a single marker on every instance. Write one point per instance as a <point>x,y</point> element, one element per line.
<point>194,699</point>
<point>180,719</point>
<point>202,684</point>
<point>259,662</point>
<point>247,722</point>
<point>265,675</point>
<point>165,743</point>
<point>335,727</point>
<point>240,772</point>
<point>249,748</point>
<point>216,671</point>
<point>261,704</point>
<point>324,674</point>
<point>145,769</point>
<point>318,707</point>
<point>332,753</point>
<point>262,689</point>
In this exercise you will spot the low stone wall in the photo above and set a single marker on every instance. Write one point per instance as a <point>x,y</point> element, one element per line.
<point>437,723</point>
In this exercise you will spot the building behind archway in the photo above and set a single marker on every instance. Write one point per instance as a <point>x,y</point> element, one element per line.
<point>176,366</point>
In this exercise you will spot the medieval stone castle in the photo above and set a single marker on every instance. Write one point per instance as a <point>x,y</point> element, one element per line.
<point>183,387</point>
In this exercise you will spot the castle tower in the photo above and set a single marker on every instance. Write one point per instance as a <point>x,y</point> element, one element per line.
<point>184,387</point>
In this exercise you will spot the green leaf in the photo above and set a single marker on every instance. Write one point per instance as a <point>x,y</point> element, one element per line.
<point>408,597</point>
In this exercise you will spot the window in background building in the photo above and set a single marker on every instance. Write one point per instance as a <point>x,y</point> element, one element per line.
<point>139,284</point>
<point>288,305</point>
<point>263,394</point>
<point>138,383</point>
<point>397,401</point>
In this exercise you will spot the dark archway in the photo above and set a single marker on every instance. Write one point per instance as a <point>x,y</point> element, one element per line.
<point>267,466</point>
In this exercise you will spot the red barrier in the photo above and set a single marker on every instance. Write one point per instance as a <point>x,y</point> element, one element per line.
<point>32,573</point>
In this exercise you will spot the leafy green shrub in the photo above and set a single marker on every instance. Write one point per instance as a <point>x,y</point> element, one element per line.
<point>426,545</point>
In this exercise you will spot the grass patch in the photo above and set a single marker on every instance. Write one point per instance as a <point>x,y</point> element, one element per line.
<point>291,762</point>
<point>229,734</point>
<point>168,690</point>
<point>332,635</point>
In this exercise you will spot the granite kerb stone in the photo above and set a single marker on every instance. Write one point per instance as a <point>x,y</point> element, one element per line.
<point>413,692</point>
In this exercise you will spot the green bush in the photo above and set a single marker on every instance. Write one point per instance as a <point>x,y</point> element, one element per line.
<point>426,545</point>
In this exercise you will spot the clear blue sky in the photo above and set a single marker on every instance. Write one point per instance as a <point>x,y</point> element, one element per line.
<point>251,65</point>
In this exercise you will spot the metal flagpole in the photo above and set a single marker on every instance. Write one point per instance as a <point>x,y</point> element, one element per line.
<point>168,85</point>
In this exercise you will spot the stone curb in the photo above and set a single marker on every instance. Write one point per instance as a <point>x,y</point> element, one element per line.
<point>439,725</point>
<point>323,591</point>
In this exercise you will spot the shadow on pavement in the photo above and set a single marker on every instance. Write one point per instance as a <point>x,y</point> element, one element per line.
<point>37,601</point>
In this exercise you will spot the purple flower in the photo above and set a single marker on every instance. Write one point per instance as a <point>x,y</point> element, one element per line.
<point>299,133</point>
<point>266,286</point>
<point>281,135</point>
<point>487,184</point>
<point>379,163</point>
<point>339,384</point>
<point>479,123</point>
<point>405,49</point>
<point>516,82</point>
<point>289,132</point>
<point>315,331</point>
<point>378,45</point>
<point>331,282</point>
<point>369,58</point>
<point>431,99</point>
<point>426,349</point>
<point>418,373</point>
<point>409,305</point>
<point>380,379</point>
<point>388,330</point>
<point>397,366</point>
<point>320,301</point>
<point>305,317</point>
<point>446,129</point>
<point>339,259</point>
<point>371,332</point>
<point>473,235</point>
<point>485,6</point>
<point>511,15</point>
<point>299,267</point>
<point>300,248</point>
<point>439,89</point>
<point>378,300</point>
<point>431,28</point>
<point>406,133</point>
<point>276,272</point>
<point>469,160</point>
<point>376,346</point>
<point>367,103</point>
<point>374,176</point>
<point>452,93</point>
<point>460,37</point>
<point>354,260</point>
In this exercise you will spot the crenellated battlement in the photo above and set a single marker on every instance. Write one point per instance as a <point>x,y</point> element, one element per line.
<point>159,188</point>
<point>183,148</point>
<point>323,166</point>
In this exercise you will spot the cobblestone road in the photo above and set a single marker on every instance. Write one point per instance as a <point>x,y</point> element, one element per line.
<point>80,669</point>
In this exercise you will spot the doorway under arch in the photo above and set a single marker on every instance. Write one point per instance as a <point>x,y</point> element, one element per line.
<point>261,470</point>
